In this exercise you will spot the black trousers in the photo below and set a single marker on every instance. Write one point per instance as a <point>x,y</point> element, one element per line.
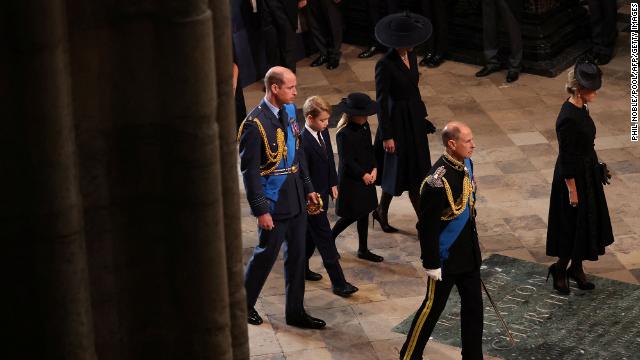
<point>603,16</point>
<point>325,22</point>
<point>279,36</point>
<point>490,10</point>
<point>471,315</point>
<point>362,225</point>
<point>319,236</point>
<point>440,12</point>
<point>292,232</point>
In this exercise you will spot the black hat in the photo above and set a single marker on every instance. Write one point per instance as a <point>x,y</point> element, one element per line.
<point>588,75</point>
<point>403,30</point>
<point>358,104</point>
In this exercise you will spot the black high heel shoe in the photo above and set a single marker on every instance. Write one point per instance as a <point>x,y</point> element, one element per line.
<point>580,279</point>
<point>560,281</point>
<point>384,223</point>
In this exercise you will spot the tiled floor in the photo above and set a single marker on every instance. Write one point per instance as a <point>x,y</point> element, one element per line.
<point>516,150</point>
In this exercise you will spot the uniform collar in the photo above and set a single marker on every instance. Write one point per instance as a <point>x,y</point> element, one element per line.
<point>453,162</point>
<point>271,107</point>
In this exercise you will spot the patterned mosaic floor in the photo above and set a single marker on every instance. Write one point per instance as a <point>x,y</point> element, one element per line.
<point>513,125</point>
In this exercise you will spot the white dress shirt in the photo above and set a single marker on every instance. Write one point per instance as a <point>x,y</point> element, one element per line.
<point>315,134</point>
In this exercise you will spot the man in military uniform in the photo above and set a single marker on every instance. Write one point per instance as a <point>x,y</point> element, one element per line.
<point>276,181</point>
<point>449,245</point>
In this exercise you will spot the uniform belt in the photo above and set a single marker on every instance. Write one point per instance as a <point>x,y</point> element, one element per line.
<point>290,170</point>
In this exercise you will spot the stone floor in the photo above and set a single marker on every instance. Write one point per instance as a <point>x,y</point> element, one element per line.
<point>516,150</point>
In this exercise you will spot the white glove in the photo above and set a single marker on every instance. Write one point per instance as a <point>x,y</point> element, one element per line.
<point>435,274</point>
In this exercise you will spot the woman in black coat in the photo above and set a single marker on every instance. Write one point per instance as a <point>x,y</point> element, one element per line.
<point>579,224</point>
<point>402,147</point>
<point>356,171</point>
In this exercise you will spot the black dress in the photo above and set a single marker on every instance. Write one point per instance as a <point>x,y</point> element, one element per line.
<point>355,152</point>
<point>584,231</point>
<point>402,117</point>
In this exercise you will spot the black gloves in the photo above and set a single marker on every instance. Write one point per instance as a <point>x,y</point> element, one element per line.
<point>430,127</point>
<point>605,175</point>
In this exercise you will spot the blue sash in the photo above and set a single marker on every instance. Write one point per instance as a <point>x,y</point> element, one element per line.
<point>272,184</point>
<point>451,232</point>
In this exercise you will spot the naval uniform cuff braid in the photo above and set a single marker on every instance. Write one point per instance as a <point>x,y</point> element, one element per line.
<point>259,206</point>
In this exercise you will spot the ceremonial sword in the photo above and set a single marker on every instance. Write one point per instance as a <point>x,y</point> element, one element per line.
<point>495,308</point>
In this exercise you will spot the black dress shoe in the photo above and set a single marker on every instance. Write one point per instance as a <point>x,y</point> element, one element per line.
<point>333,63</point>
<point>346,290</point>
<point>512,76</point>
<point>312,276</point>
<point>307,321</point>
<point>426,59</point>
<point>368,255</point>
<point>253,317</point>
<point>487,69</point>
<point>435,61</point>
<point>319,61</point>
<point>369,52</point>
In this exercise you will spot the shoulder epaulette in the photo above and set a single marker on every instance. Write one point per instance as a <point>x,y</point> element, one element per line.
<point>248,118</point>
<point>273,158</point>
<point>435,179</point>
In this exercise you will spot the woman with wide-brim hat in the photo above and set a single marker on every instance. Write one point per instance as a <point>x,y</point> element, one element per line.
<point>357,170</point>
<point>579,225</point>
<point>402,147</point>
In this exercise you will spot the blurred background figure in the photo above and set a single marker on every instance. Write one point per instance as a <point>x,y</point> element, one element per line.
<point>603,16</point>
<point>440,12</point>
<point>325,22</point>
<point>510,11</point>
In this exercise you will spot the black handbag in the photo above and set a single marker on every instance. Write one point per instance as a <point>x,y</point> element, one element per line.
<point>605,175</point>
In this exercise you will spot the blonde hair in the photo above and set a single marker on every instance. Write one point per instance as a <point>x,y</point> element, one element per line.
<point>314,106</point>
<point>572,85</point>
<point>344,120</point>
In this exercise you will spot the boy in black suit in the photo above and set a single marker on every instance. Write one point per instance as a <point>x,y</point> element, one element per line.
<point>318,155</point>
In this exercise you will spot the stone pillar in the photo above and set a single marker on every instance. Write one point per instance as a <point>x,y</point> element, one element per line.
<point>115,212</point>
<point>228,154</point>
<point>49,313</point>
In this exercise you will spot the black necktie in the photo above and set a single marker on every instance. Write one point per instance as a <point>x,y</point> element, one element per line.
<point>322,143</point>
<point>282,116</point>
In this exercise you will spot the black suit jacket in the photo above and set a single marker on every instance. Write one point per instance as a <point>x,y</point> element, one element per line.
<point>291,198</point>
<point>321,164</point>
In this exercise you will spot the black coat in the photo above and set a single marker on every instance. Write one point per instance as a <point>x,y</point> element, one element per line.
<point>402,117</point>
<point>355,152</point>
<point>584,231</point>
<point>320,162</point>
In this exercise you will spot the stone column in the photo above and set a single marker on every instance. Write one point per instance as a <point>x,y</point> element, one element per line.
<point>49,312</point>
<point>229,156</point>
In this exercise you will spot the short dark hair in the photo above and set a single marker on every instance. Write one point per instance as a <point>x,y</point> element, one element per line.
<point>450,132</point>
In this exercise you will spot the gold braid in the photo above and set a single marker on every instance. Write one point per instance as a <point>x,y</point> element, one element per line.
<point>466,196</point>
<point>272,157</point>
